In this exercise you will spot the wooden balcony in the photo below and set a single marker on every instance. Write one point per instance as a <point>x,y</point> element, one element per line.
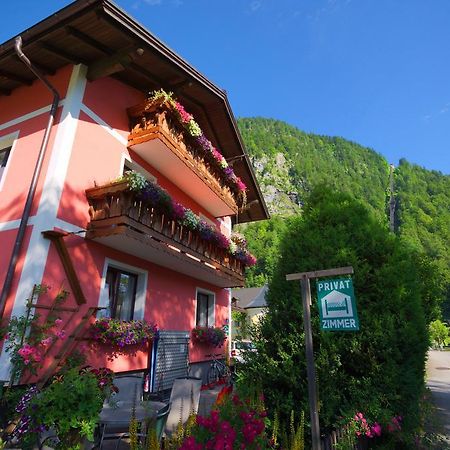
<point>159,138</point>
<point>121,221</point>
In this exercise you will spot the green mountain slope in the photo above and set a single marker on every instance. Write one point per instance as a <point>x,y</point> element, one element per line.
<point>289,162</point>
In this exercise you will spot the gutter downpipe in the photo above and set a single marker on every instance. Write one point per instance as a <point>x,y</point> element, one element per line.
<point>37,170</point>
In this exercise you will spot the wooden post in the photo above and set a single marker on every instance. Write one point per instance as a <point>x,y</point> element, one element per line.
<point>310,366</point>
<point>304,278</point>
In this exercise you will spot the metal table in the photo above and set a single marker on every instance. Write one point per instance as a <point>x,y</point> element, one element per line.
<point>115,419</point>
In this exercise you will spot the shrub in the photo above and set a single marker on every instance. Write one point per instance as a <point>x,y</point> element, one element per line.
<point>378,370</point>
<point>69,406</point>
<point>439,334</point>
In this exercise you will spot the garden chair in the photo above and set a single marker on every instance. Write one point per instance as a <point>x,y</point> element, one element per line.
<point>129,386</point>
<point>130,391</point>
<point>184,400</point>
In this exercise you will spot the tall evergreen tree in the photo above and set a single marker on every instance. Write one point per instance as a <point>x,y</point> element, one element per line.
<point>378,370</point>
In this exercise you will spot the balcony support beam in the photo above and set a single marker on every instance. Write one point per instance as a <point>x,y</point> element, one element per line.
<point>57,238</point>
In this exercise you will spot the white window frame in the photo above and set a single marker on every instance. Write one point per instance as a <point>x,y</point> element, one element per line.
<point>226,222</point>
<point>137,168</point>
<point>141,288</point>
<point>211,314</point>
<point>9,140</point>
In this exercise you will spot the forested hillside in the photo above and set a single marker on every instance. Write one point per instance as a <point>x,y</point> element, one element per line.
<point>289,163</point>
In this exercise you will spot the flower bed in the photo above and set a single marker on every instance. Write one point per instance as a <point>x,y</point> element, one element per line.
<point>209,335</point>
<point>235,422</point>
<point>121,334</point>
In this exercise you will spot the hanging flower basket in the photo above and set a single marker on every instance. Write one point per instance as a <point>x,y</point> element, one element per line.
<point>209,335</point>
<point>121,333</point>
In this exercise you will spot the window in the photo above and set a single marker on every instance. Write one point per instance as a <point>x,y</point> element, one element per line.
<point>205,309</point>
<point>123,291</point>
<point>4,155</point>
<point>121,286</point>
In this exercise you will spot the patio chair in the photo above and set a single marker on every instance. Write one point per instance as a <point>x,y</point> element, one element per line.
<point>184,399</point>
<point>161,420</point>
<point>129,385</point>
<point>130,390</point>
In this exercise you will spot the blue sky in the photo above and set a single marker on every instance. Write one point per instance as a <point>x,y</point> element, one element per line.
<point>376,72</point>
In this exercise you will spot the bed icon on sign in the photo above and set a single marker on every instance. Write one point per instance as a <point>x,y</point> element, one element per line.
<point>336,304</point>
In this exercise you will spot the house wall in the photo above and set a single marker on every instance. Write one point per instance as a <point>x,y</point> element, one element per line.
<point>255,314</point>
<point>87,147</point>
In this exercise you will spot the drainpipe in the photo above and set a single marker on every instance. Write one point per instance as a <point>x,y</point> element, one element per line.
<point>37,170</point>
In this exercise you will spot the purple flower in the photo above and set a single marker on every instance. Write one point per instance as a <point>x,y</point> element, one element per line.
<point>229,172</point>
<point>178,210</point>
<point>204,143</point>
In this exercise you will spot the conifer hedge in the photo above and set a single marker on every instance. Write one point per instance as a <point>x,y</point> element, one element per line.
<point>380,369</point>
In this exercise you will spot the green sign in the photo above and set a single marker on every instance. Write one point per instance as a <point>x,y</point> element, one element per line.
<point>337,305</point>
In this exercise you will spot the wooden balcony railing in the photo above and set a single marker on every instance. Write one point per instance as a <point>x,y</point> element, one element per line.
<point>117,215</point>
<point>156,120</point>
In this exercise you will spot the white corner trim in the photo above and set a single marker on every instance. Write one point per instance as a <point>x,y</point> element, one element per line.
<point>28,116</point>
<point>104,125</point>
<point>13,224</point>
<point>9,140</point>
<point>70,227</point>
<point>37,252</point>
<point>141,287</point>
<point>62,147</point>
<point>10,225</point>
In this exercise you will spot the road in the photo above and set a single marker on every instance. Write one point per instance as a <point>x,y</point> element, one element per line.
<point>438,380</point>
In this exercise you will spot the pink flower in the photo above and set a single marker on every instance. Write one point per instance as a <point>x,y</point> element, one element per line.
<point>58,322</point>
<point>46,342</point>
<point>190,444</point>
<point>376,429</point>
<point>240,184</point>
<point>217,155</point>
<point>26,351</point>
<point>184,115</point>
<point>61,334</point>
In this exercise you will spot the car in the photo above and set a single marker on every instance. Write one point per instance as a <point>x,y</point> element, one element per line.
<point>238,348</point>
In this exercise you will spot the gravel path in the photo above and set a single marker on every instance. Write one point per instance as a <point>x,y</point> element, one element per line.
<point>438,380</point>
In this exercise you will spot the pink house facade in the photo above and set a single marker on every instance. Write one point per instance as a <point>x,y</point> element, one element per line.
<point>84,233</point>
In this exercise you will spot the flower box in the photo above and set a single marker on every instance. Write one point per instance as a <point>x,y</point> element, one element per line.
<point>121,334</point>
<point>162,117</point>
<point>214,336</point>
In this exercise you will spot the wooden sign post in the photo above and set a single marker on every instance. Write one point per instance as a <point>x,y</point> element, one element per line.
<point>304,278</point>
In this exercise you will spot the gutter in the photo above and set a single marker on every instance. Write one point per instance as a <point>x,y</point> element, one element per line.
<point>37,170</point>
